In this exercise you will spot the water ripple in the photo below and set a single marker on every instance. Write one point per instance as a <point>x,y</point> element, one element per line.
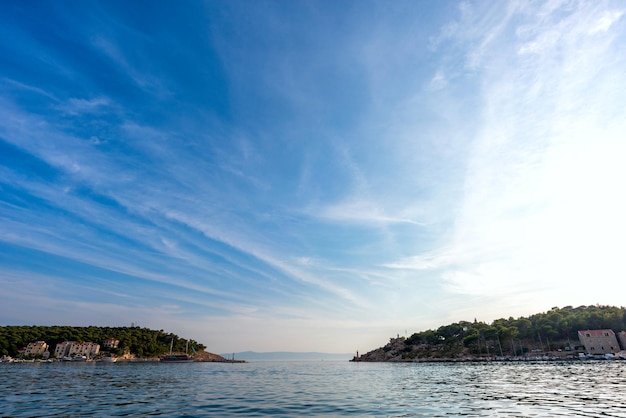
<point>314,389</point>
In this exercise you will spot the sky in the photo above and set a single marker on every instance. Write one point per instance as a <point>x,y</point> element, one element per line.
<point>309,175</point>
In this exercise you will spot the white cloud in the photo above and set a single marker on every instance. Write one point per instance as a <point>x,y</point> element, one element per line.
<point>114,51</point>
<point>541,215</point>
<point>76,106</point>
<point>438,81</point>
<point>606,20</point>
<point>362,211</point>
<point>524,101</point>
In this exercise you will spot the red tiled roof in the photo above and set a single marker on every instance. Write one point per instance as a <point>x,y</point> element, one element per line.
<point>596,332</point>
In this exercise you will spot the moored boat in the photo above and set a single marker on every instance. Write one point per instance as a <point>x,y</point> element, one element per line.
<point>74,358</point>
<point>177,358</point>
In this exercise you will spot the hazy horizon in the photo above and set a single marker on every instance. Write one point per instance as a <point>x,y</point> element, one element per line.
<point>309,176</point>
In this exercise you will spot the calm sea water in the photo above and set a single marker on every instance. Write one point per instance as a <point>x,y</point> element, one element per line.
<point>314,388</point>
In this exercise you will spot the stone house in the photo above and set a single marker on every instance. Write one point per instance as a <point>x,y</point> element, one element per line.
<point>599,341</point>
<point>621,336</point>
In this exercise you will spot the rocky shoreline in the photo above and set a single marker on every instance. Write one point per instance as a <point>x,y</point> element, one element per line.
<point>470,359</point>
<point>399,350</point>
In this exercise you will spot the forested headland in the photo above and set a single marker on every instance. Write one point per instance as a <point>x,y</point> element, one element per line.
<point>555,331</point>
<point>139,342</point>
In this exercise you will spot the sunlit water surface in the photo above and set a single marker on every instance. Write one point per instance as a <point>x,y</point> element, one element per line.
<point>314,388</point>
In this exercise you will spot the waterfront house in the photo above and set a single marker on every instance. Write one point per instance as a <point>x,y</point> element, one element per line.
<point>62,349</point>
<point>87,349</point>
<point>74,349</point>
<point>111,343</point>
<point>37,348</point>
<point>599,341</point>
<point>621,336</point>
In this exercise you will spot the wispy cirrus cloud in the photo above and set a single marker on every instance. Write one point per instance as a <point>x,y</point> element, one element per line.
<point>154,201</point>
<point>392,167</point>
<point>366,212</point>
<point>75,106</point>
<point>120,60</point>
<point>533,181</point>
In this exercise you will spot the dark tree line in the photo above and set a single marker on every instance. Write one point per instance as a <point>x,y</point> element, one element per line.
<point>557,328</point>
<point>142,342</point>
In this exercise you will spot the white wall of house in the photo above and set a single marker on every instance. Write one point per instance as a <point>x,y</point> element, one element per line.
<point>88,349</point>
<point>37,348</point>
<point>62,349</point>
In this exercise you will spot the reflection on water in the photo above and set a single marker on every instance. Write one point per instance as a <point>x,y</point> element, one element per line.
<point>315,388</point>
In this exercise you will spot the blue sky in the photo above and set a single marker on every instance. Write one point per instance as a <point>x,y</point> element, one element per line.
<point>309,175</point>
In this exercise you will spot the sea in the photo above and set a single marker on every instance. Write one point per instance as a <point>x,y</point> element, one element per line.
<point>314,389</point>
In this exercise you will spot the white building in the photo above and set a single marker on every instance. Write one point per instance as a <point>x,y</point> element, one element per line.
<point>87,349</point>
<point>62,349</point>
<point>111,343</point>
<point>73,348</point>
<point>38,348</point>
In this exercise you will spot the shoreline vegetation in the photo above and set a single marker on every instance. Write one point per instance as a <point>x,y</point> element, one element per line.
<point>133,344</point>
<point>548,336</point>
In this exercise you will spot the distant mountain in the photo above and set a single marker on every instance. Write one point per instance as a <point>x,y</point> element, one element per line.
<point>286,355</point>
